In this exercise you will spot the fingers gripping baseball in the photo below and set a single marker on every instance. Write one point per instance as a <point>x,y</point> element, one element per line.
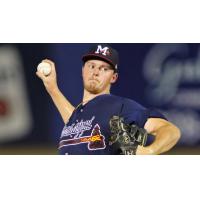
<point>47,73</point>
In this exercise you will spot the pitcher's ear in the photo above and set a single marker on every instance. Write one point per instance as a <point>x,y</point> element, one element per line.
<point>114,78</point>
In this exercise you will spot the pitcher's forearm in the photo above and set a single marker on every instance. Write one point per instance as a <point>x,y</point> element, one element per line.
<point>64,107</point>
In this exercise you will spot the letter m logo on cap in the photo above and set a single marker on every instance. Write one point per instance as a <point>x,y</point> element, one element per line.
<point>101,50</point>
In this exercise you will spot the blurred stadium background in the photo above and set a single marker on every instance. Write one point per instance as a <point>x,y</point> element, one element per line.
<point>163,76</point>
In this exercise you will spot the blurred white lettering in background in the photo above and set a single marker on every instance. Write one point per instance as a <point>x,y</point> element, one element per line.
<point>173,78</point>
<point>15,116</point>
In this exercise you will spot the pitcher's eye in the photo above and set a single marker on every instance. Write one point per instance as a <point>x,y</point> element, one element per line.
<point>105,69</point>
<point>91,66</point>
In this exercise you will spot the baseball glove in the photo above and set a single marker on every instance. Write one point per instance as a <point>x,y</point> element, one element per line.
<point>125,138</point>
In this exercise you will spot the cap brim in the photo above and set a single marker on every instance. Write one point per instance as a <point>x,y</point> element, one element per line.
<point>98,57</point>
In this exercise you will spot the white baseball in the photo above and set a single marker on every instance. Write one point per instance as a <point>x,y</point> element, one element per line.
<point>45,68</point>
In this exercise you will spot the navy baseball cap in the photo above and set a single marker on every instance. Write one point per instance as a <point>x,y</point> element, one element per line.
<point>103,52</point>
